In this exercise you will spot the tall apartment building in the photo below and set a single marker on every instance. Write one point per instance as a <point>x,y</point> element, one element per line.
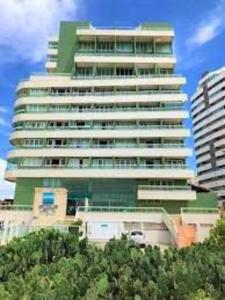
<point>208,103</point>
<point>106,122</point>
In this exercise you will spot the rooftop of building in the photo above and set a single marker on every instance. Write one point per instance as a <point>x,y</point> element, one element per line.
<point>209,75</point>
<point>142,26</point>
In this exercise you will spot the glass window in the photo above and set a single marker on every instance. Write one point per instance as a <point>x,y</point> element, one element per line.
<point>144,47</point>
<point>146,71</point>
<point>84,71</point>
<point>124,47</point>
<point>105,46</point>
<point>164,48</point>
<point>105,71</point>
<point>87,46</point>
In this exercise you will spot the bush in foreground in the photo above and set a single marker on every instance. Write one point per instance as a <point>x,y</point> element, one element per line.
<point>51,265</point>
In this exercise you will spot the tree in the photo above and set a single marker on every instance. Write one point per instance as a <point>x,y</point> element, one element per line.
<point>217,234</point>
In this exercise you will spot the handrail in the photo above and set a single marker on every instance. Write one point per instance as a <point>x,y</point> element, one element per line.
<point>107,166</point>
<point>142,26</point>
<point>15,207</point>
<point>52,59</point>
<point>165,217</point>
<point>119,109</point>
<point>197,210</point>
<point>90,77</point>
<point>81,52</point>
<point>82,94</point>
<point>14,231</point>
<point>119,209</point>
<point>170,225</point>
<point>140,127</point>
<point>119,146</point>
<point>112,76</point>
<point>164,187</point>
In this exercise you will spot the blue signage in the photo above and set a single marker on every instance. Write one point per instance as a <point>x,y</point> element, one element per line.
<point>48,198</point>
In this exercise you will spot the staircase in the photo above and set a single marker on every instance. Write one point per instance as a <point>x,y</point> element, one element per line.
<point>168,221</point>
<point>186,234</point>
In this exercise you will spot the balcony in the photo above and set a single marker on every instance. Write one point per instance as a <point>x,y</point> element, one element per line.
<point>134,76</point>
<point>98,166</point>
<point>93,51</point>
<point>166,60</point>
<point>99,127</point>
<point>41,93</point>
<point>106,100</point>
<point>101,152</point>
<point>51,66</point>
<point>172,132</point>
<point>96,171</point>
<point>52,52</point>
<point>87,110</point>
<point>177,193</point>
<point>145,30</point>
<point>171,115</point>
<point>99,146</point>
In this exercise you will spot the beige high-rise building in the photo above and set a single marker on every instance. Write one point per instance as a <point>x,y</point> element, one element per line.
<point>106,121</point>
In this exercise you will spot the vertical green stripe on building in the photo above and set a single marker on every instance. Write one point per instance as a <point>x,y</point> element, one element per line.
<point>67,45</point>
<point>24,193</point>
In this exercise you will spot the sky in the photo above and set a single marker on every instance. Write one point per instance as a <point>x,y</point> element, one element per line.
<point>25,26</point>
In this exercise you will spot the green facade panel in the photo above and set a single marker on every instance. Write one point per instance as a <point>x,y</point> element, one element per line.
<point>106,192</point>
<point>68,45</point>
<point>24,193</point>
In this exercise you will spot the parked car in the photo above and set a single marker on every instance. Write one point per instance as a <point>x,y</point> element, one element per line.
<point>138,237</point>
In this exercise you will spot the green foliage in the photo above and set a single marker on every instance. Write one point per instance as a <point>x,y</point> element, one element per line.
<point>217,234</point>
<point>49,265</point>
<point>77,222</point>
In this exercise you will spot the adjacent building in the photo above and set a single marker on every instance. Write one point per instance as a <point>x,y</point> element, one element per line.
<point>208,114</point>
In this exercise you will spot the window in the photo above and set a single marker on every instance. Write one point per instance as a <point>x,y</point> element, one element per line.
<point>31,162</point>
<point>164,48</point>
<point>105,71</point>
<point>125,72</point>
<point>146,71</point>
<point>105,47</point>
<point>124,47</point>
<point>166,71</point>
<point>87,46</point>
<point>143,47</point>
<point>84,71</point>
<point>33,143</point>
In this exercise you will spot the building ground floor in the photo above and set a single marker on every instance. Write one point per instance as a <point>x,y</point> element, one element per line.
<point>108,208</point>
<point>169,194</point>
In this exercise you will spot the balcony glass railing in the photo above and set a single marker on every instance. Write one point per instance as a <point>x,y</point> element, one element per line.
<point>15,207</point>
<point>97,166</point>
<point>87,93</point>
<point>93,52</point>
<point>53,46</point>
<point>52,59</point>
<point>93,75</point>
<point>164,187</point>
<point>120,209</point>
<point>141,76</point>
<point>95,127</point>
<point>199,210</point>
<point>93,110</point>
<point>109,146</point>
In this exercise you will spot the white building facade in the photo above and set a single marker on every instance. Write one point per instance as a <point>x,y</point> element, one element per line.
<point>208,116</point>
